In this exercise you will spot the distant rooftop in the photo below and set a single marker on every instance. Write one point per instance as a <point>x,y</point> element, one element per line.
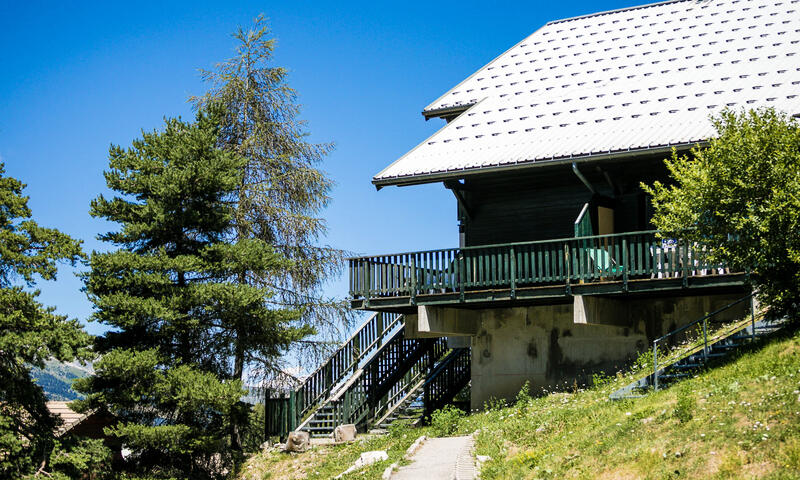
<point>611,83</point>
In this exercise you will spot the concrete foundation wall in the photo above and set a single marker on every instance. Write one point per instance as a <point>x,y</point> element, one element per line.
<point>546,347</point>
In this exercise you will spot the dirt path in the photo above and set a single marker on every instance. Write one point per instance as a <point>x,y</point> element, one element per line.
<point>440,459</point>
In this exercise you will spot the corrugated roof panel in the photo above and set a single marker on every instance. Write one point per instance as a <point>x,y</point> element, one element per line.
<point>624,80</point>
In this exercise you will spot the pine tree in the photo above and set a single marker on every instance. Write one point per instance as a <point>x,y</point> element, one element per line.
<point>282,193</point>
<point>171,294</point>
<point>30,333</point>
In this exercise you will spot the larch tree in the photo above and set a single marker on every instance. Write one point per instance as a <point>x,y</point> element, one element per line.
<point>281,195</point>
<point>171,294</point>
<point>30,333</point>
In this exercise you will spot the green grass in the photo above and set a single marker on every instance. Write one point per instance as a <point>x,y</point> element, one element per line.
<point>325,462</point>
<point>739,420</point>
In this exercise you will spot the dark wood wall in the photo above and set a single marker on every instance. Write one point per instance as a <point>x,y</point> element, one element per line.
<point>542,202</point>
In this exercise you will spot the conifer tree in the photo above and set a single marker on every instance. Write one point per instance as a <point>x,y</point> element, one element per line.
<point>30,333</point>
<point>283,190</point>
<point>171,295</point>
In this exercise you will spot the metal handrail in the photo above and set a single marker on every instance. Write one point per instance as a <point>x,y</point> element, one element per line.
<point>704,321</point>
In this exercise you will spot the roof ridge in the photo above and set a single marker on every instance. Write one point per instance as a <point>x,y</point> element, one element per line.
<point>625,9</point>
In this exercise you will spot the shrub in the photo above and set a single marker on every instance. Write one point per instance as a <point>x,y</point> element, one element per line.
<point>524,394</point>
<point>444,422</point>
<point>684,409</point>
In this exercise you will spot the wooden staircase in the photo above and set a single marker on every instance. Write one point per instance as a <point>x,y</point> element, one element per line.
<point>711,344</point>
<point>425,395</point>
<point>370,386</point>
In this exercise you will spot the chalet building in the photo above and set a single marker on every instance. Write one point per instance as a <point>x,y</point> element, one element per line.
<point>558,272</point>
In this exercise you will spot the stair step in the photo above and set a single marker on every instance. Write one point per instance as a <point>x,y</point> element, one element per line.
<point>687,365</point>
<point>674,375</point>
<point>729,345</point>
<point>741,337</point>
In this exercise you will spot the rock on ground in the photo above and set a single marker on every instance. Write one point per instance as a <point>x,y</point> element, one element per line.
<point>297,442</point>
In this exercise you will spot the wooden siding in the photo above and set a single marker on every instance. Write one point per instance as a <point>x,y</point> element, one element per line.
<point>544,203</point>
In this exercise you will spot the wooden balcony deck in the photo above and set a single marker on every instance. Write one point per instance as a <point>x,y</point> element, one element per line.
<point>543,270</point>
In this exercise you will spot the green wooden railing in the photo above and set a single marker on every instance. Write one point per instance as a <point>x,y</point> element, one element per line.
<point>616,257</point>
<point>366,340</point>
<point>285,413</point>
<point>361,403</point>
<point>449,378</point>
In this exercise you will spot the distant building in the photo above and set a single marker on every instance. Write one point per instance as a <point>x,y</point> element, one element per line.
<point>85,425</point>
<point>557,272</point>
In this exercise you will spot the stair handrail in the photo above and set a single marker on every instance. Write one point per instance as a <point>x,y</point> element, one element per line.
<point>704,321</point>
<point>343,362</point>
<point>418,376</point>
<point>457,359</point>
<point>357,403</point>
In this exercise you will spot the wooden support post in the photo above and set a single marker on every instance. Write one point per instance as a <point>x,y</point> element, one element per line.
<point>292,414</point>
<point>269,411</point>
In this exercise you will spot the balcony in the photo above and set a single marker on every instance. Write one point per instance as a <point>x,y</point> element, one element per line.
<point>549,270</point>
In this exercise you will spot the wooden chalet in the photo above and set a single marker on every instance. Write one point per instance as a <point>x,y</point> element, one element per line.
<point>558,271</point>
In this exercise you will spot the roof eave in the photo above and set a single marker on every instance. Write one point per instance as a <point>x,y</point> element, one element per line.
<point>618,155</point>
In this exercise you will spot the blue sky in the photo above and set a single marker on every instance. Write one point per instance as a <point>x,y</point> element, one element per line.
<point>78,78</point>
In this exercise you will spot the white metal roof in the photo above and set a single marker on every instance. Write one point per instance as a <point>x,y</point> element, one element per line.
<point>632,79</point>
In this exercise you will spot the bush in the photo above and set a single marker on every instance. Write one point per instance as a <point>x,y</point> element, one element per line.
<point>740,196</point>
<point>524,395</point>
<point>444,422</point>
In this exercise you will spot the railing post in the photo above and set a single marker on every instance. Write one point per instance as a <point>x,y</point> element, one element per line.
<point>705,340</point>
<point>625,266</point>
<point>513,273</point>
<point>379,327</point>
<point>366,282</point>
<point>684,261</point>
<point>568,269</point>
<point>462,275</point>
<point>752,317</point>
<point>655,365</point>
<point>357,349</point>
<point>328,377</point>
<point>413,293</point>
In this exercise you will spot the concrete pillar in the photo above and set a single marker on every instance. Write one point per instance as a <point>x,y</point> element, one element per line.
<point>447,322</point>
<point>592,309</point>
<point>412,327</point>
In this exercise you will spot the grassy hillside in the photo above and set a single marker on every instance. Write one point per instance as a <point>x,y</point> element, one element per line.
<point>739,420</point>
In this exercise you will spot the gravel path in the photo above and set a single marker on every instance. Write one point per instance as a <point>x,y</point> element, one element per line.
<point>440,459</point>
